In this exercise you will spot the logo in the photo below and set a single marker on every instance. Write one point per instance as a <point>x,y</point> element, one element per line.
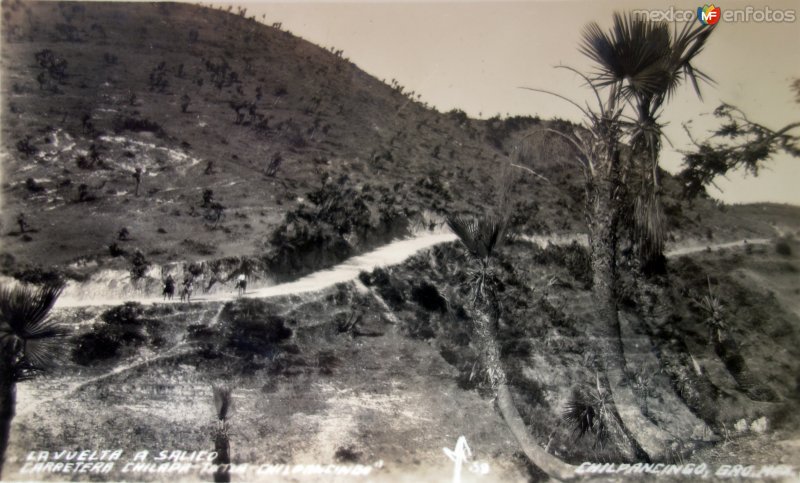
<point>708,14</point>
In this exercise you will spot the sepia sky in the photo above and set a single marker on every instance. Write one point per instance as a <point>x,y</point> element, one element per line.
<point>474,55</point>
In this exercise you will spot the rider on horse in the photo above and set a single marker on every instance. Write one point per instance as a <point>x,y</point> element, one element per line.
<point>186,293</point>
<point>241,283</point>
<point>169,287</point>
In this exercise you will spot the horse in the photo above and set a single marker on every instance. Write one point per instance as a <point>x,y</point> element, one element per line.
<point>186,293</point>
<point>241,286</point>
<point>169,290</point>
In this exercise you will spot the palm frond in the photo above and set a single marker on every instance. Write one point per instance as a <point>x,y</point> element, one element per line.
<point>579,415</point>
<point>23,319</point>
<point>45,352</point>
<point>643,57</point>
<point>222,401</point>
<point>650,223</point>
<point>23,310</point>
<point>480,236</point>
<point>585,413</point>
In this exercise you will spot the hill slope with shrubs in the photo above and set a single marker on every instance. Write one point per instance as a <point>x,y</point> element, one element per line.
<point>186,133</point>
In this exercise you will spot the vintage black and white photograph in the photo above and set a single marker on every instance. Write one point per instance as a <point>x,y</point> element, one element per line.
<point>410,240</point>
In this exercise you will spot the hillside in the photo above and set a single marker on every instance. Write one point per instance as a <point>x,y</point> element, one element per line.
<point>305,111</point>
<point>242,132</point>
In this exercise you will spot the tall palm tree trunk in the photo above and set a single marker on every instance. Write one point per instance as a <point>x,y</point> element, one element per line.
<point>486,334</point>
<point>7,400</point>
<point>604,208</point>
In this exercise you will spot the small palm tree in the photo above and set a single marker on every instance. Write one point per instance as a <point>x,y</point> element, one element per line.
<point>222,406</point>
<point>29,343</point>
<point>587,412</point>
<point>481,238</point>
<point>711,305</point>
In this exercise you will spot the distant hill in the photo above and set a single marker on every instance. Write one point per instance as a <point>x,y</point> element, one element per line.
<point>243,134</point>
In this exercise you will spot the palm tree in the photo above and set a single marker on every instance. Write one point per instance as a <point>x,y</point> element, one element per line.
<point>644,63</point>
<point>481,238</point>
<point>638,65</point>
<point>714,311</point>
<point>29,342</point>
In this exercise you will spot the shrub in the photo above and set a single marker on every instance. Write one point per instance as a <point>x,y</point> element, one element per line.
<point>37,275</point>
<point>327,362</point>
<point>93,347</point>
<point>458,116</point>
<point>428,297</point>
<point>54,65</point>
<point>115,250</point>
<point>198,247</point>
<point>573,257</point>
<point>84,194</point>
<point>516,347</point>
<point>579,264</point>
<point>208,197</point>
<point>347,454</point>
<point>33,186</point>
<point>419,327</point>
<point>386,287</point>
<point>196,269</point>
<point>139,265</point>
<point>128,313</point>
<point>26,147</point>
<point>325,232</point>
<point>251,329</point>
<point>783,248</point>
<point>214,213</point>
<point>365,278</point>
<point>274,164</point>
<point>158,78</point>
<point>185,101</point>
<point>123,327</point>
<point>498,130</point>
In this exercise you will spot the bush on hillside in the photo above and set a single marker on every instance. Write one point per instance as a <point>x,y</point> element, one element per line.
<point>428,297</point>
<point>94,347</point>
<point>327,230</point>
<point>38,275</point>
<point>573,257</point>
<point>123,329</point>
<point>139,265</point>
<point>250,328</point>
<point>783,248</point>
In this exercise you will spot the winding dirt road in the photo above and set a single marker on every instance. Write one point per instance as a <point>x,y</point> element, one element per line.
<point>390,254</point>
